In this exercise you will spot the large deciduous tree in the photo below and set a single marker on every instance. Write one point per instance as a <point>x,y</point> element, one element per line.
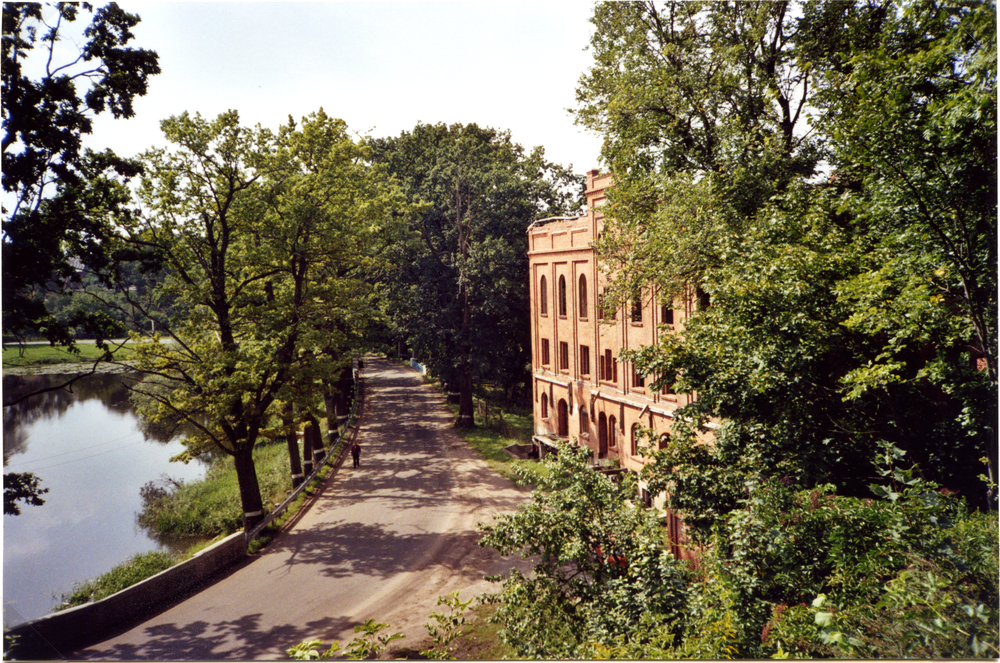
<point>825,173</point>
<point>458,292</point>
<point>266,238</point>
<point>60,197</point>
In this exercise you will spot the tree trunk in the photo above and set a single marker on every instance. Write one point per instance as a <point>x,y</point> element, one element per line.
<point>307,454</point>
<point>246,475</point>
<point>315,441</point>
<point>292,439</point>
<point>345,387</point>
<point>330,402</point>
<point>466,407</point>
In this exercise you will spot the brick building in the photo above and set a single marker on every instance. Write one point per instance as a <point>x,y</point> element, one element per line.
<point>581,391</point>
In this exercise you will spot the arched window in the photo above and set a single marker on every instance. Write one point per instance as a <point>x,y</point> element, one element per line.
<point>562,295</point>
<point>543,297</point>
<point>612,432</point>
<point>635,439</point>
<point>562,419</point>
<point>545,406</point>
<point>584,422</point>
<point>582,296</point>
<point>664,440</point>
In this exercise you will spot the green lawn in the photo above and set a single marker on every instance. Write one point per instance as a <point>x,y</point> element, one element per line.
<point>34,355</point>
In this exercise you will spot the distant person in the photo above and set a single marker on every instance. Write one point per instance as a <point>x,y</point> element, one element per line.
<point>356,454</point>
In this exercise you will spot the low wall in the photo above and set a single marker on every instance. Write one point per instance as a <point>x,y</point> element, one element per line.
<point>415,365</point>
<point>60,632</point>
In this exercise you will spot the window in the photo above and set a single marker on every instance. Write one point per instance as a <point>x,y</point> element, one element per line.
<point>584,360</point>
<point>645,498</point>
<point>635,439</point>
<point>562,296</point>
<point>545,352</point>
<point>638,380</point>
<point>612,432</point>
<point>637,308</point>
<point>609,367</point>
<point>704,301</point>
<point>543,297</point>
<point>664,440</point>
<point>545,406</point>
<point>582,297</point>
<point>584,422</point>
<point>564,356</point>
<point>667,314</point>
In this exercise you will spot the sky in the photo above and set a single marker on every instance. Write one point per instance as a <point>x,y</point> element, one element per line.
<point>380,66</point>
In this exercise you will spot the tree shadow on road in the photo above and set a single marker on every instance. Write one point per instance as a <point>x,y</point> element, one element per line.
<point>240,639</point>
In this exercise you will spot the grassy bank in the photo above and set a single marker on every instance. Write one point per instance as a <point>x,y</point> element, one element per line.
<point>499,425</point>
<point>37,355</point>
<point>211,506</point>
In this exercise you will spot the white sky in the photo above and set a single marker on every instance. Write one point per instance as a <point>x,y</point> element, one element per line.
<point>380,66</point>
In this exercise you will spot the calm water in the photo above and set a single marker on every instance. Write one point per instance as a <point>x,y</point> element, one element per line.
<point>90,451</point>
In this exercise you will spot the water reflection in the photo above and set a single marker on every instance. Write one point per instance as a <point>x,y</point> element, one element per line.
<point>92,453</point>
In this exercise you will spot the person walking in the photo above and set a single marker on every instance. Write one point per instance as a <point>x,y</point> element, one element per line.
<point>356,453</point>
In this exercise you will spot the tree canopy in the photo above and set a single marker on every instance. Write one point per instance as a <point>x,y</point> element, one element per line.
<point>266,238</point>
<point>824,176</point>
<point>457,291</point>
<point>60,197</point>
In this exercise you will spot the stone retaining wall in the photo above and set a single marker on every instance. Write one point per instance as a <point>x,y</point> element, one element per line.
<point>54,635</point>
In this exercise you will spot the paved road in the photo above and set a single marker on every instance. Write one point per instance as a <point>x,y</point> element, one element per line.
<point>383,541</point>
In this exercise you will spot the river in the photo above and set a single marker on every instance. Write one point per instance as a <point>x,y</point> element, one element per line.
<point>91,453</point>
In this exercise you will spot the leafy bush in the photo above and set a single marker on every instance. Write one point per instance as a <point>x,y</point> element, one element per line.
<point>793,572</point>
<point>602,565</point>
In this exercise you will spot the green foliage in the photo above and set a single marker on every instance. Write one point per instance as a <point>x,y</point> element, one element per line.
<point>885,578</point>
<point>368,644</point>
<point>845,308</point>
<point>310,651</point>
<point>788,572</point>
<point>268,239</point>
<point>136,569</point>
<point>60,197</point>
<point>446,627</point>
<point>600,564</point>
<point>211,506</point>
<point>456,292</point>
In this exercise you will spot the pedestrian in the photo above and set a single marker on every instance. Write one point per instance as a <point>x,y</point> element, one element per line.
<point>356,454</point>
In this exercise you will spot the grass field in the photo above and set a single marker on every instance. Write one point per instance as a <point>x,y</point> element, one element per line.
<point>35,355</point>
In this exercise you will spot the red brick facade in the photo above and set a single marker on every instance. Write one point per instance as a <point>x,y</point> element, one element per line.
<point>581,391</point>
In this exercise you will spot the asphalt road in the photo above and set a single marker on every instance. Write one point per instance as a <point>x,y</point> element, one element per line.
<point>384,540</point>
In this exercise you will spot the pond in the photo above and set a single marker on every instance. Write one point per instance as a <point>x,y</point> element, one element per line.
<point>90,451</point>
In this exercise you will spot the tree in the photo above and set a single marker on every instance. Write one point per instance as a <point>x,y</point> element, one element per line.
<point>842,308</point>
<point>792,571</point>
<point>266,238</point>
<point>458,290</point>
<point>61,196</point>
<point>603,573</point>
<point>912,126</point>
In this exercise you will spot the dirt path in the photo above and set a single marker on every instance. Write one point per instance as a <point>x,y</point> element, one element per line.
<point>384,540</point>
